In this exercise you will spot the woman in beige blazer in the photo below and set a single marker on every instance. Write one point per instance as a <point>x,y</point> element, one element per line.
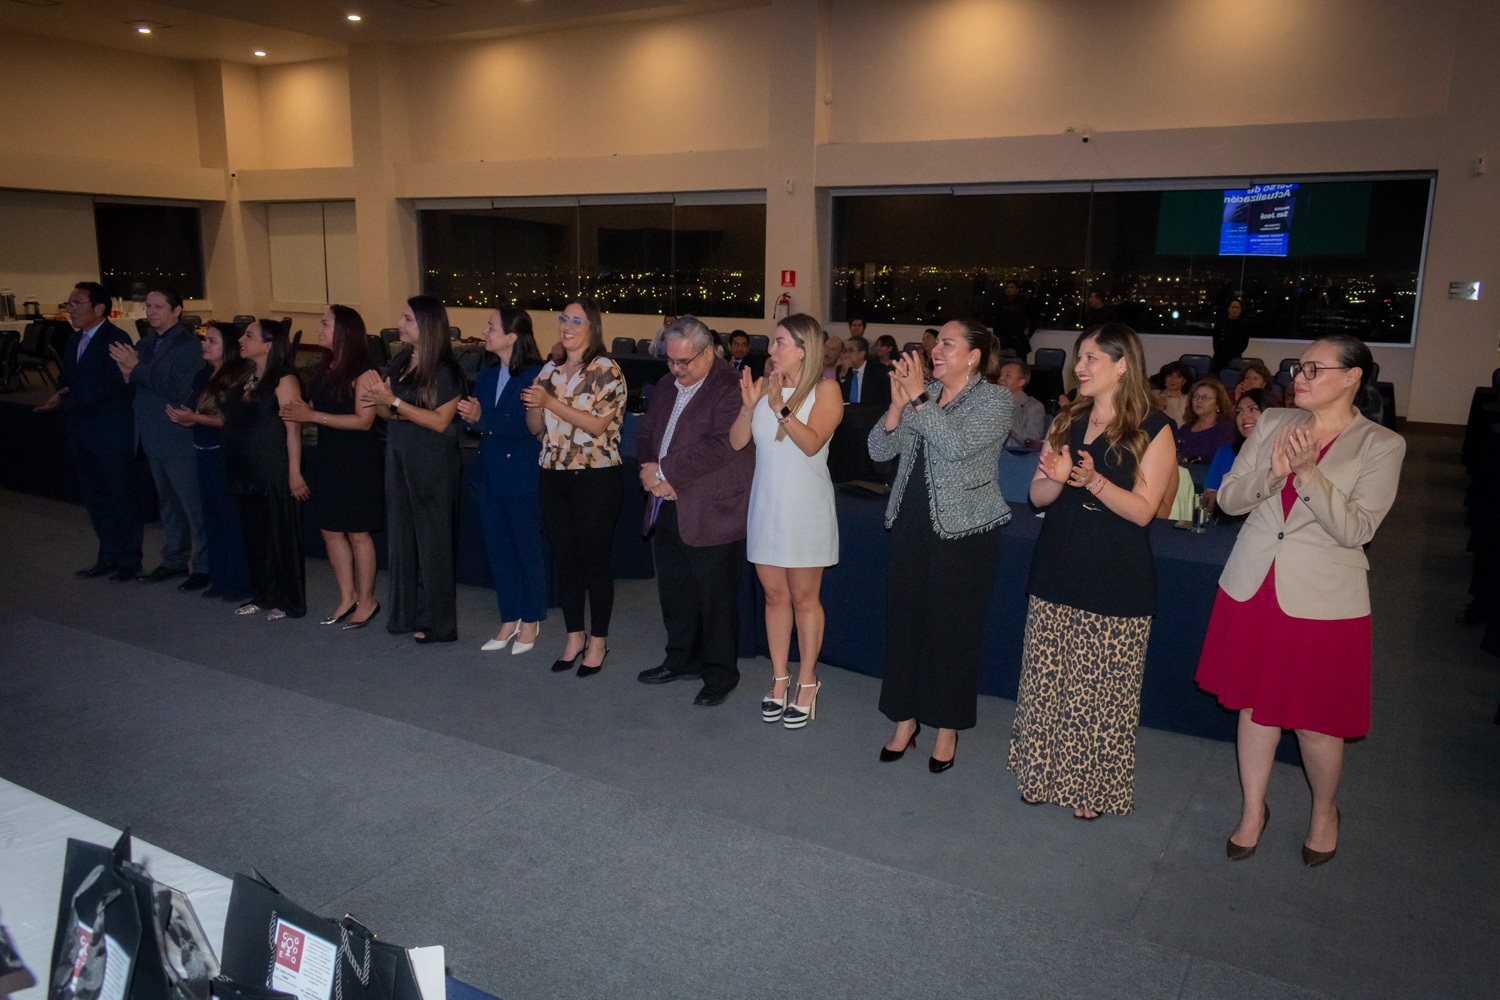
<point>1288,645</point>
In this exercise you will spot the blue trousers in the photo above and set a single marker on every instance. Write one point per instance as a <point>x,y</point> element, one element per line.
<point>513,537</point>
<point>221,523</point>
<point>184,537</point>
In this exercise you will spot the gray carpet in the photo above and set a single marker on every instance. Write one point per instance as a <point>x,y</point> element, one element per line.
<point>590,838</point>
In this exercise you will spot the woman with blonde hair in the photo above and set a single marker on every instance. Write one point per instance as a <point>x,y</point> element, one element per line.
<point>1108,460</point>
<point>793,532</point>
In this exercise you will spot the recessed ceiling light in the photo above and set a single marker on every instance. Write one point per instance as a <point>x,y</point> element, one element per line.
<point>259,52</point>
<point>144,30</point>
<point>355,17</point>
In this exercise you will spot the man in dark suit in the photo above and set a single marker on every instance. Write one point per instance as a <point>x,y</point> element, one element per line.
<point>740,357</point>
<point>101,434</point>
<point>862,383</point>
<point>699,502</point>
<point>162,372</point>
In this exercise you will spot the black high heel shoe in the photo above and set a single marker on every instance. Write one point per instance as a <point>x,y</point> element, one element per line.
<point>586,671</point>
<point>1239,852</point>
<point>362,624</point>
<point>887,755</point>
<point>939,766</point>
<point>558,666</point>
<point>334,619</point>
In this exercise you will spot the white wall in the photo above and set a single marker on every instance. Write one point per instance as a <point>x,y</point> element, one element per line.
<point>46,245</point>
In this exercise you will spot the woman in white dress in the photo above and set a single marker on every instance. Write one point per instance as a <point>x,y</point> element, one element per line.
<point>793,531</point>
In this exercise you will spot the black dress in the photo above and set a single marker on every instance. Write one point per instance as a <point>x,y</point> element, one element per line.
<point>255,466</point>
<point>937,599</point>
<point>421,486</point>
<point>350,492</point>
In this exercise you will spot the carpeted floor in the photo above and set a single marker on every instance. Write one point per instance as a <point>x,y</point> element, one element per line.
<point>591,838</point>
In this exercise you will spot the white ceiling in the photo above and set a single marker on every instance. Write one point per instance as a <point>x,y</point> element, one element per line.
<point>297,30</point>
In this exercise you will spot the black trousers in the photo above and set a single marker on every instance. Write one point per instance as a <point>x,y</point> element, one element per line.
<point>272,527</point>
<point>106,485</point>
<point>421,513</point>
<point>937,599</point>
<point>700,589</point>
<point>580,508</point>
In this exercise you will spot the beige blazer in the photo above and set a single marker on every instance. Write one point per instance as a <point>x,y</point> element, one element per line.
<point>1321,569</point>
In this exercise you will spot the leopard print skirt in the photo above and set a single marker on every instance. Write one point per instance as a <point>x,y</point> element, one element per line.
<point>1073,741</point>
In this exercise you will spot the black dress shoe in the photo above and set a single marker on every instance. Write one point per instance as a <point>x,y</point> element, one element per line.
<point>161,573</point>
<point>126,573</point>
<point>98,569</point>
<point>887,755</point>
<point>711,696</point>
<point>939,766</point>
<point>195,581</point>
<point>664,675</point>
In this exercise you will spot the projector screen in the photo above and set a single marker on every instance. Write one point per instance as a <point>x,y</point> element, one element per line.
<point>1257,221</point>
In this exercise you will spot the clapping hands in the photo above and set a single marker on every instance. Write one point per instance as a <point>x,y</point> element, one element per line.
<point>1057,465</point>
<point>1296,450</point>
<point>468,409</point>
<point>908,376</point>
<point>376,391</point>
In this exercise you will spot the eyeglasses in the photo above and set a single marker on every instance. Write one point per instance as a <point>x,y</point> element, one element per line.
<point>564,319</point>
<point>1309,369</point>
<point>1199,397</point>
<point>682,366</point>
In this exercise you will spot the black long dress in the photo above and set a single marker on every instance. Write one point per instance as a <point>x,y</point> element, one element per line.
<point>349,494</point>
<point>255,465</point>
<point>421,485</point>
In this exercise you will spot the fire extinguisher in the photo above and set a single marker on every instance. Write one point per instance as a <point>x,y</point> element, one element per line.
<point>783,306</point>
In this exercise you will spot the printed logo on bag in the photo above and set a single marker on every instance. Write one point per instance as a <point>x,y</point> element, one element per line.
<point>289,944</point>
<point>85,935</point>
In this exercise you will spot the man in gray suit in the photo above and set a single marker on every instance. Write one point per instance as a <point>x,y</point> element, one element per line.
<point>161,368</point>
<point>1030,424</point>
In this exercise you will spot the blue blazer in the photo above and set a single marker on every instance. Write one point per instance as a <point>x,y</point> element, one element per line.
<point>509,454</point>
<point>100,421</point>
<point>165,375</point>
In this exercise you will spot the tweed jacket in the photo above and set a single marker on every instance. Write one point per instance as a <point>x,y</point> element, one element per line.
<point>1321,569</point>
<point>962,442</point>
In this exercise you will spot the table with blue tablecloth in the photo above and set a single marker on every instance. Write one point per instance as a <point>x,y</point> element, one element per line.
<point>1188,567</point>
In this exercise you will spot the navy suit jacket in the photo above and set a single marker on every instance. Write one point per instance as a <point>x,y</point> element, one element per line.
<point>100,421</point>
<point>508,452</point>
<point>165,375</point>
<point>712,480</point>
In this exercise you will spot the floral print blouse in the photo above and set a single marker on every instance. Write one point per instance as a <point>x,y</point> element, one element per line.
<point>598,388</point>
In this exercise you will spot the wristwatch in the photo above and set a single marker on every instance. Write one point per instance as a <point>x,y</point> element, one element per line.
<point>786,411</point>
<point>659,477</point>
<point>922,397</point>
<point>396,403</point>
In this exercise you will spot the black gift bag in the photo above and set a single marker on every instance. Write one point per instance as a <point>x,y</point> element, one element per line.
<point>268,939</point>
<point>99,931</point>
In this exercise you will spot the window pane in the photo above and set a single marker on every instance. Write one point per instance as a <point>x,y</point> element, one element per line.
<point>149,244</point>
<point>488,258</point>
<point>929,258</point>
<point>625,256</point>
<point>720,260</point>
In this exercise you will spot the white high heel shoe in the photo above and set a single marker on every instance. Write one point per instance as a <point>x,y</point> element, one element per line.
<point>495,644</point>
<point>525,647</point>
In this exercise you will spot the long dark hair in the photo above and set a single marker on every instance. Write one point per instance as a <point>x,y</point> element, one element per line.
<point>525,352</point>
<point>981,339</point>
<point>1353,353</point>
<point>1132,401</point>
<point>233,370</point>
<point>1263,401</point>
<point>590,307</point>
<point>433,348</point>
<point>278,362</point>
<point>347,359</point>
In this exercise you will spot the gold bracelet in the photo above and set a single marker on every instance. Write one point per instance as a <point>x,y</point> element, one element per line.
<point>1100,488</point>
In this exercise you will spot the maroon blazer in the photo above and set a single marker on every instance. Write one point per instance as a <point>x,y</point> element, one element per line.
<point>712,480</point>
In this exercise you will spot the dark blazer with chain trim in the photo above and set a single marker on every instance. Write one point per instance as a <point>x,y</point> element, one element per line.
<point>962,442</point>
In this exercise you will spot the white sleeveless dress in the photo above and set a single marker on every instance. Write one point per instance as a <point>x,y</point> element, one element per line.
<point>793,523</point>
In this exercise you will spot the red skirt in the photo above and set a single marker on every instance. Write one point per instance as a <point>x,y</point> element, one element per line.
<point>1295,673</point>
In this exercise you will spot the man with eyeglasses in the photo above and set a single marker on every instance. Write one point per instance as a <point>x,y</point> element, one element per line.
<point>696,510</point>
<point>101,431</point>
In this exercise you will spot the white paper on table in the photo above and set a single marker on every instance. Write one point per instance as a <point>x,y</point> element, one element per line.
<point>427,965</point>
<point>304,963</point>
<point>116,971</point>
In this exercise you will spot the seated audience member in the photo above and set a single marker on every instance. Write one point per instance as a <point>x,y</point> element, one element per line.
<point>1211,425</point>
<point>740,357</point>
<point>1175,378</point>
<point>884,350</point>
<point>863,383</point>
<point>833,356</point>
<point>1246,415</point>
<point>856,329</point>
<point>1256,376</point>
<point>658,344</point>
<point>1029,425</point>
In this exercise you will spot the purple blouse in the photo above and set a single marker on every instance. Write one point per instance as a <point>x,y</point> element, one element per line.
<point>1199,446</point>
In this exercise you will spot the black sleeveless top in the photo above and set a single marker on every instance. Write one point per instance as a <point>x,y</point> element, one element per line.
<point>1089,557</point>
